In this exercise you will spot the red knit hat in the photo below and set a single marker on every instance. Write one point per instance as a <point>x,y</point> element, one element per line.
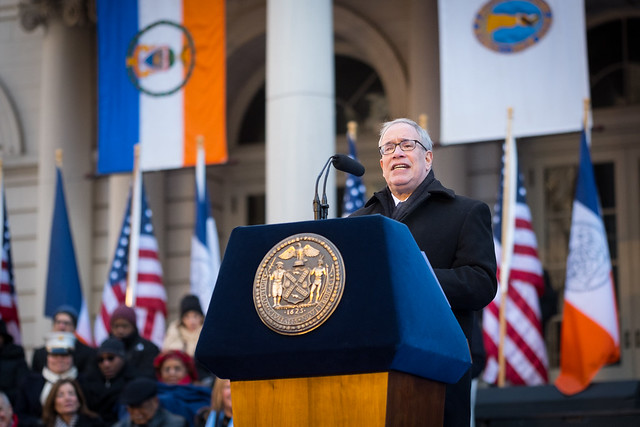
<point>192,373</point>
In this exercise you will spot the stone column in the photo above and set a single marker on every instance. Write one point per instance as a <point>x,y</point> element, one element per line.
<point>300,106</point>
<point>67,122</point>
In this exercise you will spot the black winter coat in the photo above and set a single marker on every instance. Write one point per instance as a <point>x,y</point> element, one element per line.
<point>13,368</point>
<point>455,234</point>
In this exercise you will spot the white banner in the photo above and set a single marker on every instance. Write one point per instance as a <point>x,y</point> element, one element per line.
<point>527,54</point>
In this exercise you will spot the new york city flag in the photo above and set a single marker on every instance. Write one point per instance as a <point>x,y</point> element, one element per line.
<point>161,82</point>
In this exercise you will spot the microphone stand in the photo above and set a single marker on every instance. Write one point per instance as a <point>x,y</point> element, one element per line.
<point>324,206</point>
<point>319,208</point>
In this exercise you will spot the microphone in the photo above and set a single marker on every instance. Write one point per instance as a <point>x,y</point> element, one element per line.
<point>343,163</point>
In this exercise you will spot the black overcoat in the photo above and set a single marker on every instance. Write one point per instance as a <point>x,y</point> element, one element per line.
<point>455,233</point>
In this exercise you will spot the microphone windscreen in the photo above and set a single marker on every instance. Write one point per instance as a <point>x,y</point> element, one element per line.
<point>344,163</point>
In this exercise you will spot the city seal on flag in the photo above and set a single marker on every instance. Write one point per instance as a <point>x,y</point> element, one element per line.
<point>161,58</point>
<point>299,284</point>
<point>588,264</point>
<point>509,26</point>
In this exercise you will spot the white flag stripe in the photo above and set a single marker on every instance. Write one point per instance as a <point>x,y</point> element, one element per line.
<point>525,237</point>
<point>528,264</point>
<point>158,113</point>
<point>149,266</point>
<point>150,290</point>
<point>595,282</point>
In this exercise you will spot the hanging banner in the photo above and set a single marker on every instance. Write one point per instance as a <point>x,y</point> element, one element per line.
<point>530,55</point>
<point>161,82</point>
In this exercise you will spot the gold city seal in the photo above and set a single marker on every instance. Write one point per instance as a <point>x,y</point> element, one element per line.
<point>299,284</point>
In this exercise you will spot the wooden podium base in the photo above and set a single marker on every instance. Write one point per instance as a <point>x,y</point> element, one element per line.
<point>381,399</point>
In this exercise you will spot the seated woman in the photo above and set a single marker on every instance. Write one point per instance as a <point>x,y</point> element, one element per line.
<point>35,387</point>
<point>175,367</point>
<point>220,414</point>
<point>66,406</point>
<point>7,417</point>
<point>183,333</point>
<point>176,374</point>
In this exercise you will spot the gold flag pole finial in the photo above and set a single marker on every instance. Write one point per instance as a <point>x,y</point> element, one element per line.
<point>423,121</point>
<point>352,127</point>
<point>200,141</point>
<point>58,155</point>
<point>587,106</point>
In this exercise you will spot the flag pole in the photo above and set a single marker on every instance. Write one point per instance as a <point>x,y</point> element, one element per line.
<point>200,164</point>
<point>507,243</point>
<point>134,237</point>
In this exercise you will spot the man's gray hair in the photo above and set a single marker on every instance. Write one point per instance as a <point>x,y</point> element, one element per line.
<point>425,139</point>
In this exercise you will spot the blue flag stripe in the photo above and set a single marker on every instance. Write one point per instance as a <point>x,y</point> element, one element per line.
<point>118,98</point>
<point>586,190</point>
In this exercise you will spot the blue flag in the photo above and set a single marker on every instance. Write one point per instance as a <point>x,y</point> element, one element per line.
<point>63,280</point>
<point>354,190</point>
<point>205,249</point>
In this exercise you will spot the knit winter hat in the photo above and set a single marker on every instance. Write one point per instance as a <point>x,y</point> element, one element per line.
<point>190,303</point>
<point>67,309</point>
<point>138,391</point>
<point>124,312</point>
<point>111,346</point>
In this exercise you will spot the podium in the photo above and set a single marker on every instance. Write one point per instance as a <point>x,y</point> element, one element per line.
<point>380,357</point>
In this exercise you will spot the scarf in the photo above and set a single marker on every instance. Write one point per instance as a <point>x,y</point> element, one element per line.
<point>400,211</point>
<point>51,378</point>
<point>60,422</point>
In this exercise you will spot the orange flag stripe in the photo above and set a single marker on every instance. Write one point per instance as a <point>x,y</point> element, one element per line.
<point>591,348</point>
<point>204,95</point>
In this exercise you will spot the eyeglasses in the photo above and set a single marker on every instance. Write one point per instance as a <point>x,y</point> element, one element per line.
<point>405,145</point>
<point>109,358</point>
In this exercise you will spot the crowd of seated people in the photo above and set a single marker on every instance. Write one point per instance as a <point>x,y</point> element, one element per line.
<point>126,381</point>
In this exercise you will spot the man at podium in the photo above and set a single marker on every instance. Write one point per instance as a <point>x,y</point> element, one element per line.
<point>453,231</point>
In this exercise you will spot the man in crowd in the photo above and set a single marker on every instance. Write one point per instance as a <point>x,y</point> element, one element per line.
<point>106,380</point>
<point>140,397</point>
<point>65,319</point>
<point>453,231</point>
<point>139,351</point>
<point>13,365</point>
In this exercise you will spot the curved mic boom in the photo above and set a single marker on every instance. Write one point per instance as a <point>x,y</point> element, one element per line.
<point>344,163</point>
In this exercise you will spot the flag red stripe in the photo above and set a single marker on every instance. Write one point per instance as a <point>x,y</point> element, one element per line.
<point>152,304</point>
<point>149,278</point>
<point>523,223</point>
<point>525,250</point>
<point>148,253</point>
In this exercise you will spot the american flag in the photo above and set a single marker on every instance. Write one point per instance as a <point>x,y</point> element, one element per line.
<point>151,298</point>
<point>8,298</point>
<point>524,348</point>
<point>354,189</point>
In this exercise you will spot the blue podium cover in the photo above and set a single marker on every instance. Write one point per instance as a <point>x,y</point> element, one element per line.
<point>393,314</point>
